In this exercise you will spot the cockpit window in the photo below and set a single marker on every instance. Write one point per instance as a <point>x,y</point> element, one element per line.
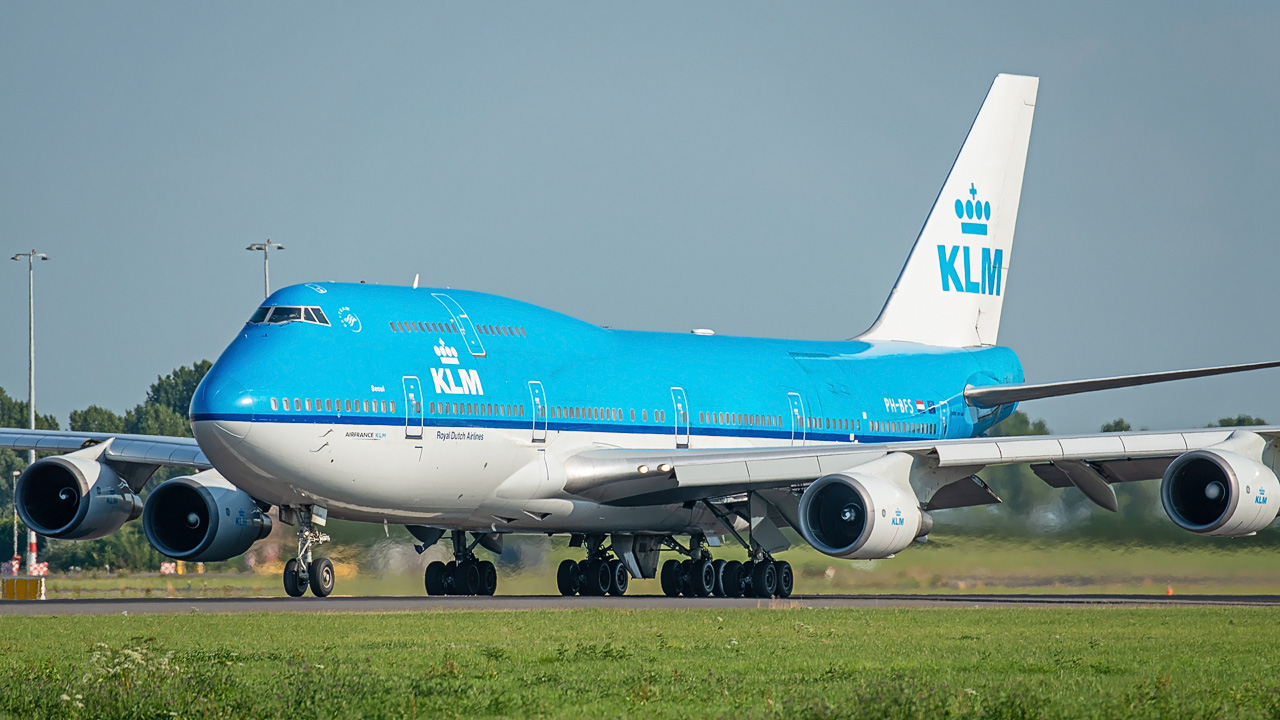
<point>286,313</point>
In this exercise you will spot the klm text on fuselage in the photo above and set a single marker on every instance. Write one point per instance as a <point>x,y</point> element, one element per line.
<point>984,279</point>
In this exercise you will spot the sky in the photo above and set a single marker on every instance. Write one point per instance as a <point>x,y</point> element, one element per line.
<point>756,168</point>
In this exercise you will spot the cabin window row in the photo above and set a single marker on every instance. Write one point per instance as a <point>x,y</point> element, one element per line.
<point>748,419</point>
<point>901,426</point>
<point>333,405</point>
<point>407,326</point>
<point>475,409</point>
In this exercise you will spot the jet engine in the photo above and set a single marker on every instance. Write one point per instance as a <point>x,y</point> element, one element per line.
<point>74,497</point>
<point>860,516</point>
<point>202,518</point>
<point>1218,492</point>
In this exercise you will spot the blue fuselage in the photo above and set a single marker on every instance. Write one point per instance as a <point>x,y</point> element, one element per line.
<point>395,357</point>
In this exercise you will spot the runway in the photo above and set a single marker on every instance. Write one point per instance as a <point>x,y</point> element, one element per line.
<point>385,604</point>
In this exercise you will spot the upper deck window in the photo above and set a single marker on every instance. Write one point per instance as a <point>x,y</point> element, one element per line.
<point>287,313</point>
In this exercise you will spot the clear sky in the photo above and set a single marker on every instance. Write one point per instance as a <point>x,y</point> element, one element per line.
<point>755,168</point>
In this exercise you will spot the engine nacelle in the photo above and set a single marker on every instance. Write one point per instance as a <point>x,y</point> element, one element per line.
<point>73,497</point>
<point>1218,492</point>
<point>859,516</point>
<point>202,518</point>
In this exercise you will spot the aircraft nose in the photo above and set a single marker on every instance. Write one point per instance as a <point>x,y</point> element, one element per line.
<point>223,400</point>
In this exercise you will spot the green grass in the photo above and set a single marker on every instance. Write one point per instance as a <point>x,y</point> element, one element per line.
<point>784,663</point>
<point>944,565</point>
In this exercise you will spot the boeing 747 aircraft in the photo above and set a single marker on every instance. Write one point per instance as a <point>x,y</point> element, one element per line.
<point>465,413</point>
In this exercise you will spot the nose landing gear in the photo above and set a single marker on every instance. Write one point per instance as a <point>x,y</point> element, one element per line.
<point>303,571</point>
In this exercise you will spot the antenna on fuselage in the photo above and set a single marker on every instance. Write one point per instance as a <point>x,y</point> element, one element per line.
<point>415,281</point>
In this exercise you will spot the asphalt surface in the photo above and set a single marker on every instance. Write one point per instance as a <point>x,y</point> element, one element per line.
<point>382,604</point>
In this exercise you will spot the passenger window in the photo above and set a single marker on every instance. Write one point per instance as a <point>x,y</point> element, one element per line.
<point>644,415</point>
<point>259,315</point>
<point>274,405</point>
<point>308,404</point>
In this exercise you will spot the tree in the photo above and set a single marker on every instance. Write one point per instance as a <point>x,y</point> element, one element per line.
<point>1117,425</point>
<point>96,419</point>
<point>1238,421</point>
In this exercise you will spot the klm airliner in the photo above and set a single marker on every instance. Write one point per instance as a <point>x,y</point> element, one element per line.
<point>476,416</point>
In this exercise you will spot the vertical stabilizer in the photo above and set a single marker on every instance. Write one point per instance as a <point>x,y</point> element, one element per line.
<point>952,288</point>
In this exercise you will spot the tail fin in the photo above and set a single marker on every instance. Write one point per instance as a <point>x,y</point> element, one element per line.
<point>951,290</point>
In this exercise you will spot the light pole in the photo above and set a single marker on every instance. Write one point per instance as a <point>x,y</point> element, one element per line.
<point>265,248</point>
<point>16,556</point>
<point>31,257</point>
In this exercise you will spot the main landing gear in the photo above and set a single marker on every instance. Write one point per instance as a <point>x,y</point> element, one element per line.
<point>303,571</point>
<point>465,574</point>
<point>600,574</point>
<point>701,576</point>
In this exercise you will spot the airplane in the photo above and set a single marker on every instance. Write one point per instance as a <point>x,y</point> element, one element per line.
<point>479,416</point>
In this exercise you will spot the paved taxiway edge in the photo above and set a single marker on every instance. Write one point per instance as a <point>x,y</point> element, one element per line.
<point>153,606</point>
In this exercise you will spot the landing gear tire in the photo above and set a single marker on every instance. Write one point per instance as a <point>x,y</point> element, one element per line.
<point>686,578</point>
<point>786,578</point>
<point>568,579</point>
<point>451,578</point>
<point>435,579</point>
<point>295,578</point>
<point>598,578</point>
<point>731,579</point>
<point>488,578</point>
<point>670,578</point>
<point>702,578</point>
<point>619,578</point>
<point>764,579</point>
<point>466,578</point>
<point>321,577</point>
<point>718,591</point>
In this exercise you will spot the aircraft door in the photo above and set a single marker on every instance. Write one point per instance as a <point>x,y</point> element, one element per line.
<point>682,416</point>
<point>797,418</point>
<point>412,407</point>
<point>463,322</point>
<point>942,417</point>
<point>539,411</point>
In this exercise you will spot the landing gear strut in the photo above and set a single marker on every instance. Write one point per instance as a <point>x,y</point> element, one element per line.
<point>465,574</point>
<point>600,574</point>
<point>303,571</point>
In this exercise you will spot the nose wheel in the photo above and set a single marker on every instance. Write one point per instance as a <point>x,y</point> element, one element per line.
<point>304,571</point>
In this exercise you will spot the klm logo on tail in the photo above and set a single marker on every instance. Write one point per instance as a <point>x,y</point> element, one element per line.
<point>973,215</point>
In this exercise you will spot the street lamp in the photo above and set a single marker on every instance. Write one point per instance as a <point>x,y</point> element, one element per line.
<point>265,248</point>
<point>31,257</point>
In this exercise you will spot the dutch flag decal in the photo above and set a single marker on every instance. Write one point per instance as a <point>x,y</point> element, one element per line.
<point>920,406</point>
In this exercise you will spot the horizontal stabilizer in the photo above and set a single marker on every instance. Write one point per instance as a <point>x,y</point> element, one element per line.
<point>993,395</point>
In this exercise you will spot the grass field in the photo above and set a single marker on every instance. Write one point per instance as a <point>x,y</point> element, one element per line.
<point>769,663</point>
<point>960,564</point>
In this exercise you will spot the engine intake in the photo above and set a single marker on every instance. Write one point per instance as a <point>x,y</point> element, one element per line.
<point>74,498</point>
<point>1219,492</point>
<point>855,516</point>
<point>202,518</point>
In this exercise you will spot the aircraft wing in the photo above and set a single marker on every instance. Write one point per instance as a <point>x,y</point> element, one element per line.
<point>1090,462</point>
<point>153,450</point>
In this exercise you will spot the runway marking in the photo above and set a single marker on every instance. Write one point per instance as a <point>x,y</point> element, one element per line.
<point>381,604</point>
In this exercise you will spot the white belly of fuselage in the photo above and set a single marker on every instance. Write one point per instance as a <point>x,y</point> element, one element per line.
<point>451,477</point>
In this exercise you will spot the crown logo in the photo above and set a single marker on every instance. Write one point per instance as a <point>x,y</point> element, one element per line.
<point>447,355</point>
<point>973,213</point>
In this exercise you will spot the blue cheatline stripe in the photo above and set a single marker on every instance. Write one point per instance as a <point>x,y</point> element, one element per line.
<point>782,436</point>
<point>973,228</point>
